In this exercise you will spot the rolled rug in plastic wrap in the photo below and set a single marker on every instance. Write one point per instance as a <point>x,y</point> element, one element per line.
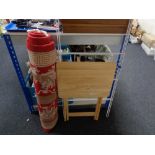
<point>48,115</point>
<point>42,57</point>
<point>41,48</point>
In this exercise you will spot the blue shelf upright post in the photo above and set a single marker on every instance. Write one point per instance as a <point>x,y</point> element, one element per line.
<point>120,59</point>
<point>18,70</point>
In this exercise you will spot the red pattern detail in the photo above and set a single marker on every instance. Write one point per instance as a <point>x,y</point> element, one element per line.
<point>41,92</point>
<point>41,70</point>
<point>42,107</point>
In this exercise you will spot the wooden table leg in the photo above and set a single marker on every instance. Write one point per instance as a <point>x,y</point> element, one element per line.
<point>98,107</point>
<point>66,117</point>
<point>67,111</point>
<point>64,109</point>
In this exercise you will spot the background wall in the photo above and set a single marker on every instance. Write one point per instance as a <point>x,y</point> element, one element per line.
<point>148,25</point>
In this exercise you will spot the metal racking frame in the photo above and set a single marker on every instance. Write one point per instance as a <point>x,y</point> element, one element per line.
<point>69,38</point>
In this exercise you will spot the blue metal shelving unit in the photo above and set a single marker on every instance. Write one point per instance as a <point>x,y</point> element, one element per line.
<point>29,95</point>
<point>18,70</point>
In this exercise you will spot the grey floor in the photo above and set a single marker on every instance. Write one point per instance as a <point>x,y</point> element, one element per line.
<point>133,110</point>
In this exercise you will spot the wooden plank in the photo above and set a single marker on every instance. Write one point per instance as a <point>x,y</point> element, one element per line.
<point>82,94</point>
<point>84,79</point>
<point>80,114</point>
<point>94,25</point>
<point>86,65</point>
<point>94,29</point>
<point>96,21</point>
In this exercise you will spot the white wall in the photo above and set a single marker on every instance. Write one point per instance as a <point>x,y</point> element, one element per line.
<point>148,25</point>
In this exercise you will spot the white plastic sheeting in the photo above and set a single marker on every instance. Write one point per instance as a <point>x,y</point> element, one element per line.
<point>147,25</point>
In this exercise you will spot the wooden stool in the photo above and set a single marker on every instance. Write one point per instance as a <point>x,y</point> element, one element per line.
<point>84,80</point>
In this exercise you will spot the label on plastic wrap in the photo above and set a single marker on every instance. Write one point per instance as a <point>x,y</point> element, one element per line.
<point>43,59</point>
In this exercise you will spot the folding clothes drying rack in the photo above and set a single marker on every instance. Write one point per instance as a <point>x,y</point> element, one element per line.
<point>73,39</point>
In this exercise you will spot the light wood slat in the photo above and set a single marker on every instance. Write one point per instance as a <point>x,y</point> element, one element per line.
<point>65,107</point>
<point>81,114</point>
<point>81,94</point>
<point>98,107</point>
<point>86,65</point>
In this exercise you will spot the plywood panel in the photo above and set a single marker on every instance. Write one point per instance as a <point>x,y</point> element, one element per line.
<point>84,79</point>
<point>96,21</point>
<point>95,25</point>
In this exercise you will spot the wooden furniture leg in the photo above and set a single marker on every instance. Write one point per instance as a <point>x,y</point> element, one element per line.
<point>98,107</point>
<point>78,58</point>
<point>65,109</point>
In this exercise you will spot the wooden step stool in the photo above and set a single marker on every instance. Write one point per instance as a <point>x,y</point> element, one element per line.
<point>84,80</point>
